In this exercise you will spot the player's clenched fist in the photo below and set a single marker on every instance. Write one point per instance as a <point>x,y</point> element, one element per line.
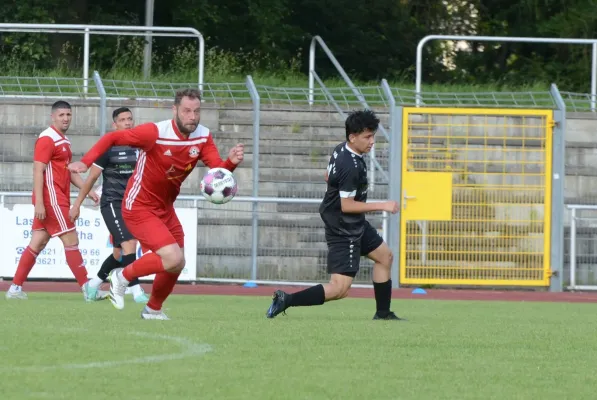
<point>237,153</point>
<point>77,166</point>
<point>391,206</point>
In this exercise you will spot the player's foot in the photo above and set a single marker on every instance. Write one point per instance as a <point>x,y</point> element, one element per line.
<point>148,313</point>
<point>280,302</point>
<point>139,294</point>
<point>91,294</point>
<point>388,317</point>
<point>117,288</point>
<point>15,293</point>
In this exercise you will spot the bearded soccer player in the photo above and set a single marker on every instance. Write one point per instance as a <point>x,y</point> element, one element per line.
<point>169,151</point>
<point>51,198</point>
<point>347,232</point>
<point>116,166</point>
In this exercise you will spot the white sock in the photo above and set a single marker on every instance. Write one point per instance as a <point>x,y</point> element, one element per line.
<point>95,282</point>
<point>14,288</point>
<point>120,276</point>
<point>137,290</point>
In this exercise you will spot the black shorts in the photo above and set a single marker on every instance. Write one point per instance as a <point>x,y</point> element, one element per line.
<point>112,214</point>
<point>344,253</point>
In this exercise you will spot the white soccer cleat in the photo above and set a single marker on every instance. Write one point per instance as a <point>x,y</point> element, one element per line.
<point>15,294</point>
<point>117,288</point>
<point>148,313</point>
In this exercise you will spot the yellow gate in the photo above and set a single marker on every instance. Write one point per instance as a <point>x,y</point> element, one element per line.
<point>476,196</point>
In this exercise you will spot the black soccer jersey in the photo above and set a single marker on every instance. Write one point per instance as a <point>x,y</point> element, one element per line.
<point>117,164</point>
<point>347,177</point>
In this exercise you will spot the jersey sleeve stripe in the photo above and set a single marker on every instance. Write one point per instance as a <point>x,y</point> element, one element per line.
<point>348,194</point>
<point>136,188</point>
<point>181,142</point>
<point>98,166</point>
<point>54,198</point>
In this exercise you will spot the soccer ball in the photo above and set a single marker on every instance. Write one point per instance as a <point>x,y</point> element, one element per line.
<point>218,186</point>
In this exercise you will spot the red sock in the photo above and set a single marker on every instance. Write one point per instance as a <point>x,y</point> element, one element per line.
<point>26,263</point>
<point>163,284</point>
<point>76,264</point>
<point>148,264</point>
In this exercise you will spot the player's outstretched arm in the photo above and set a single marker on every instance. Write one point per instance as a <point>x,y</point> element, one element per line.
<point>142,136</point>
<point>84,190</point>
<point>211,157</point>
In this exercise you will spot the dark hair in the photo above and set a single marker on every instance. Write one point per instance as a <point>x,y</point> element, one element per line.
<point>360,121</point>
<point>192,93</point>
<point>119,111</point>
<point>60,104</point>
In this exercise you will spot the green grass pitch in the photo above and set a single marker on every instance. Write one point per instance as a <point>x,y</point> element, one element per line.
<point>55,346</point>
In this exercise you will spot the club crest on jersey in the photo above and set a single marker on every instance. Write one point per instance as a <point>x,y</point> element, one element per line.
<point>194,152</point>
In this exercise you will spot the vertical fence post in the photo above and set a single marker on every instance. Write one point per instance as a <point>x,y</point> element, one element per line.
<point>102,93</point>
<point>395,179</point>
<point>593,75</point>
<point>558,174</point>
<point>86,60</point>
<point>255,220</point>
<point>573,249</point>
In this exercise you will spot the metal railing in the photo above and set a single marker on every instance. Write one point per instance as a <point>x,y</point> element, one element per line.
<point>198,201</point>
<point>121,30</point>
<point>422,42</point>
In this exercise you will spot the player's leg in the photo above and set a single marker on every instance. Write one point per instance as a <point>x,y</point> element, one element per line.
<point>343,265</point>
<point>129,255</point>
<point>166,254</point>
<point>373,247</point>
<point>39,239</point>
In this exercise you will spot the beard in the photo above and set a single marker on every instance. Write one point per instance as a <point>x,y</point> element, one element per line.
<point>185,129</point>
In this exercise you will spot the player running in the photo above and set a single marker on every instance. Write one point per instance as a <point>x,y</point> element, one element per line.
<point>51,198</point>
<point>169,151</point>
<point>348,234</point>
<point>116,166</point>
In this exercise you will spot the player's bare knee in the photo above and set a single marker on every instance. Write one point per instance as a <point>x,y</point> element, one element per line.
<point>70,239</point>
<point>338,287</point>
<point>39,241</point>
<point>128,247</point>
<point>172,258</point>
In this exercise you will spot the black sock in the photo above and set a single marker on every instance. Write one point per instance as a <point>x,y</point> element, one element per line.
<point>383,296</point>
<point>109,264</point>
<point>313,296</point>
<point>126,260</point>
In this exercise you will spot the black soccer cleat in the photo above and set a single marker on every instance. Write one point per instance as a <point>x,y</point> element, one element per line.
<point>389,317</point>
<point>280,302</point>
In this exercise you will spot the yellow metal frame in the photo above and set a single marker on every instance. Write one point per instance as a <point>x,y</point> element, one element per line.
<point>506,112</point>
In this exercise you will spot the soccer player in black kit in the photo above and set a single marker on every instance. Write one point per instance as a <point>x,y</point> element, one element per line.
<point>116,166</point>
<point>348,234</point>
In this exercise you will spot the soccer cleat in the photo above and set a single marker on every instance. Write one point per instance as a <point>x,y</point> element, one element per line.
<point>148,313</point>
<point>16,295</point>
<point>141,298</point>
<point>117,288</point>
<point>280,302</point>
<point>91,294</point>
<point>389,317</point>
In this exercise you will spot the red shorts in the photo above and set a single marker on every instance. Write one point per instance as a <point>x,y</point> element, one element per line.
<point>152,231</point>
<point>56,222</point>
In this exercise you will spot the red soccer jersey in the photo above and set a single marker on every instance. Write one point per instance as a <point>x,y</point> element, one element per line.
<point>53,149</point>
<point>165,160</point>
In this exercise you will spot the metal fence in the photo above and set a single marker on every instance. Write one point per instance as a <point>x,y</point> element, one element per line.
<point>581,247</point>
<point>291,134</point>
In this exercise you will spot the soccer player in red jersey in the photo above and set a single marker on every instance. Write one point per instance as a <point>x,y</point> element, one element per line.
<point>51,198</point>
<point>169,151</point>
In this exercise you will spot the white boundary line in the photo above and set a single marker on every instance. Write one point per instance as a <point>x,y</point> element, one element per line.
<point>188,349</point>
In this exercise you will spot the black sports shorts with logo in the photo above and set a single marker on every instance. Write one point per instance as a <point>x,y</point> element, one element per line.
<point>344,253</point>
<point>112,214</point>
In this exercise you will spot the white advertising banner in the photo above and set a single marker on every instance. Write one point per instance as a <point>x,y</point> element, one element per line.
<point>94,243</point>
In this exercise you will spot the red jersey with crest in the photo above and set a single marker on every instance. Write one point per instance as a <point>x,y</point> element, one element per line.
<point>165,160</point>
<point>53,149</point>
